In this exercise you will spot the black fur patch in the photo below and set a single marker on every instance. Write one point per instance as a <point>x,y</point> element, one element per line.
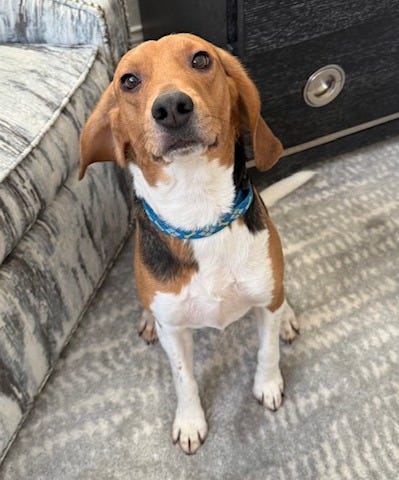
<point>161,261</point>
<point>240,174</point>
<point>253,216</point>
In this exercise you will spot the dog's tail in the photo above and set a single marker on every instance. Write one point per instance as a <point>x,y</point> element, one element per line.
<point>278,190</point>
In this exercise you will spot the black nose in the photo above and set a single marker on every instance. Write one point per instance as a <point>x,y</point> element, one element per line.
<point>172,110</point>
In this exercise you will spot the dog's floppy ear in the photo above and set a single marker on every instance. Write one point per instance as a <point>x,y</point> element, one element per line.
<point>103,137</point>
<point>267,148</point>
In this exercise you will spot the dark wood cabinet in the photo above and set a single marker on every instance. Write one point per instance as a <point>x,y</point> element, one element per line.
<point>282,42</point>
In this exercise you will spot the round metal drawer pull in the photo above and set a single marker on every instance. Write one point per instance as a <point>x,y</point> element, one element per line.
<point>324,85</point>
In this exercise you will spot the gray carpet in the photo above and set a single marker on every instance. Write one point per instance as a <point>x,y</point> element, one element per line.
<point>107,410</point>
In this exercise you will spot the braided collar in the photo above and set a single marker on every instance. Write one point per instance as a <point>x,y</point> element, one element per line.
<point>241,204</point>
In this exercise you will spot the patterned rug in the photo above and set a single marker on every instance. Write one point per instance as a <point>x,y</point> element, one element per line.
<point>106,412</point>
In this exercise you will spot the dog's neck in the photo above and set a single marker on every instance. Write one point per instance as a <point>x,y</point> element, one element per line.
<point>194,192</point>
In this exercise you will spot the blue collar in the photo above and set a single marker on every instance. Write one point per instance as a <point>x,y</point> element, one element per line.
<point>241,204</point>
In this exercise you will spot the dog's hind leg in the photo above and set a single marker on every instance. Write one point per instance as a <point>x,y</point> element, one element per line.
<point>289,329</point>
<point>146,329</point>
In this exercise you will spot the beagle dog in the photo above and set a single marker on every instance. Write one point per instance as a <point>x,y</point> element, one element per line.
<point>206,250</point>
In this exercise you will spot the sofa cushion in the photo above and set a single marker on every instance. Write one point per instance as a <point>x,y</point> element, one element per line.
<point>68,22</point>
<point>46,94</point>
<point>49,279</point>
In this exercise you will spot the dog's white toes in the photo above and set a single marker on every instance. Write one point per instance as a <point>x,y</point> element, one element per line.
<point>190,433</point>
<point>146,328</point>
<point>289,329</point>
<point>270,393</point>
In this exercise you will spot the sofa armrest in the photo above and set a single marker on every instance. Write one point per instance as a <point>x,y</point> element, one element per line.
<point>68,22</point>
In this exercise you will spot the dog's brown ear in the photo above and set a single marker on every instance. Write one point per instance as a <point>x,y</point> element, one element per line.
<point>103,137</point>
<point>267,148</point>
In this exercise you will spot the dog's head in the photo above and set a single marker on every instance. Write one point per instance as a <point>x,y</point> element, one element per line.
<point>174,97</point>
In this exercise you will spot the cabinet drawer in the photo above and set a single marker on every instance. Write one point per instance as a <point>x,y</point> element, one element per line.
<point>368,52</point>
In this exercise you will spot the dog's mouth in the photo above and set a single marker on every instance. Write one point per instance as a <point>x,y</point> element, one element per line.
<point>184,147</point>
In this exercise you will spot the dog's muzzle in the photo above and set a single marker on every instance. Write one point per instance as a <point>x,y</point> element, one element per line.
<point>177,125</point>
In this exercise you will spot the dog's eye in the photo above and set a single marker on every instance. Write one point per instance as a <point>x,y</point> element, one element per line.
<point>129,81</point>
<point>201,61</point>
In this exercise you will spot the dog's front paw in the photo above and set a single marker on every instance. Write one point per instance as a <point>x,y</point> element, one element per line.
<point>189,430</point>
<point>270,393</point>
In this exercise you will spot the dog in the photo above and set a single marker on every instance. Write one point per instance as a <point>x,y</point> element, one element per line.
<point>206,250</point>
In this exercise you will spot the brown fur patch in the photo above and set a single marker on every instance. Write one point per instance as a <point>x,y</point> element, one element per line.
<point>277,259</point>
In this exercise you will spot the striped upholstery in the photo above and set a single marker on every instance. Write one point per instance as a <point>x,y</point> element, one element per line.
<point>58,236</point>
<point>39,135</point>
<point>67,22</point>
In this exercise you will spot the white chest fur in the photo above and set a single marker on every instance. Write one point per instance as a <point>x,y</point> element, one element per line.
<point>234,275</point>
<point>196,192</point>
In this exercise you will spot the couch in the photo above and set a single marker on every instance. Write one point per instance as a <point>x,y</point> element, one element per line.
<point>58,236</point>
